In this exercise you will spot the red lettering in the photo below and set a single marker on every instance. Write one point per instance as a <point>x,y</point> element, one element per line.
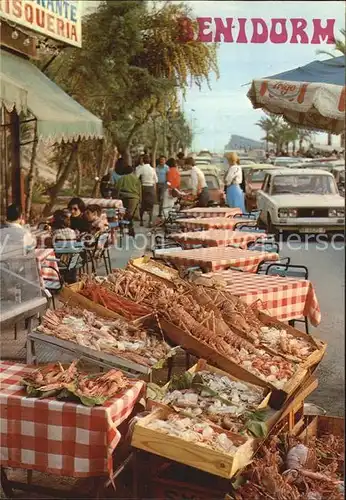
<point>298,30</point>
<point>29,13</point>
<point>202,23</point>
<point>50,23</point>
<point>242,33</point>
<point>40,17</point>
<point>73,33</point>
<point>259,37</point>
<point>67,25</point>
<point>60,27</point>
<point>321,34</point>
<point>221,29</point>
<point>17,8</point>
<point>278,37</point>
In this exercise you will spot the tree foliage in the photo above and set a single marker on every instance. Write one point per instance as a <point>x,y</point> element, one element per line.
<point>130,71</point>
<point>281,134</point>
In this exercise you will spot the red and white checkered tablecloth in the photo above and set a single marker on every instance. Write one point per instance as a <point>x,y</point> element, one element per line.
<point>201,224</point>
<point>216,238</point>
<point>218,258</point>
<point>61,438</point>
<point>211,211</point>
<point>282,298</point>
<point>42,258</point>
<point>103,202</point>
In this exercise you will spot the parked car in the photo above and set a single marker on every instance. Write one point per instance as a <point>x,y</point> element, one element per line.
<point>286,161</point>
<point>303,200</point>
<point>214,183</point>
<point>254,177</point>
<point>339,176</point>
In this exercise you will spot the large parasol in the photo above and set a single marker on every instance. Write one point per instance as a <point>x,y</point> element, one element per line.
<point>311,96</point>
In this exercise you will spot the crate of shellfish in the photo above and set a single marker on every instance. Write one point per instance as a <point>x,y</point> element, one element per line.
<point>278,338</point>
<point>192,442</point>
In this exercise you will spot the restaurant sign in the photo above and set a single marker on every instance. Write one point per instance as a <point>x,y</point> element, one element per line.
<point>58,19</point>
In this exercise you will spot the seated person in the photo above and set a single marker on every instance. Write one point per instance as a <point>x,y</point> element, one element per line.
<point>61,230</point>
<point>97,220</point>
<point>78,222</point>
<point>15,239</point>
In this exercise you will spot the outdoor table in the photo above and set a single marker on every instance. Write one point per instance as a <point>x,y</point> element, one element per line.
<point>200,224</point>
<point>211,212</point>
<point>103,202</point>
<point>46,257</point>
<point>57,437</point>
<point>282,298</point>
<point>216,238</point>
<point>218,258</point>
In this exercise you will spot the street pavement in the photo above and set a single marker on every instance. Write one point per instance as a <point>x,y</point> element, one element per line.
<point>327,273</point>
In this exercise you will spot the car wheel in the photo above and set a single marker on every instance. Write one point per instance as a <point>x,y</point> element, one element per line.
<point>261,224</point>
<point>272,229</point>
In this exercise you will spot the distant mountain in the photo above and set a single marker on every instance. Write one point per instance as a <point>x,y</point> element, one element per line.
<point>239,142</point>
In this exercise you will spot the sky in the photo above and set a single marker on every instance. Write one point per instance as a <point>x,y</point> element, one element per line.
<point>225,109</point>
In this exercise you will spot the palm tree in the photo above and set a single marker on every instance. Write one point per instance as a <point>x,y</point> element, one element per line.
<point>268,124</point>
<point>340,48</point>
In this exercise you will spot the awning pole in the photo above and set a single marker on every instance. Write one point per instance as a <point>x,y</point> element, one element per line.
<point>17,195</point>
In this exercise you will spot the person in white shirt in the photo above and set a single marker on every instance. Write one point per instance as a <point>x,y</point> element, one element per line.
<point>198,183</point>
<point>233,180</point>
<point>147,175</point>
<point>15,239</point>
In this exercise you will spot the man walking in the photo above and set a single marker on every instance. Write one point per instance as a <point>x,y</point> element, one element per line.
<point>161,170</point>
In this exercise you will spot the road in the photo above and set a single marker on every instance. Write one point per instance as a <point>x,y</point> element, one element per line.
<point>327,273</point>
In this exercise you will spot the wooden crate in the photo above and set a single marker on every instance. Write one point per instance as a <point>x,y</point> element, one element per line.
<point>202,350</point>
<point>188,453</point>
<point>321,425</point>
<point>70,295</point>
<point>311,361</point>
<point>171,281</point>
<point>202,365</point>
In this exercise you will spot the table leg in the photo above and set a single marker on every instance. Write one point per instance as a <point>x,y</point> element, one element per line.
<point>135,475</point>
<point>5,484</point>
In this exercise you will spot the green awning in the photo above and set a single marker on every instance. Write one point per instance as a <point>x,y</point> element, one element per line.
<point>59,117</point>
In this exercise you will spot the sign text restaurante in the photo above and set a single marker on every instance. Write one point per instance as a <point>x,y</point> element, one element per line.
<point>59,19</point>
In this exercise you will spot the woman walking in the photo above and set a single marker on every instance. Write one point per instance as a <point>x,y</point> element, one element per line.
<point>233,180</point>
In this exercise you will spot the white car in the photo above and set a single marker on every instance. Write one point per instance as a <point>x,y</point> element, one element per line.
<point>285,161</point>
<point>303,200</point>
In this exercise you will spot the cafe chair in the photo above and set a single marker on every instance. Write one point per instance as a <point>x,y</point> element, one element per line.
<point>264,264</point>
<point>100,251</point>
<point>53,285</point>
<point>264,246</point>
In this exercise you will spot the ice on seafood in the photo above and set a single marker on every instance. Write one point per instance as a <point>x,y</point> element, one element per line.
<point>193,431</point>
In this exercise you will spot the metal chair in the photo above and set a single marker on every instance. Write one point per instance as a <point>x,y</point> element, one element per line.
<point>290,271</point>
<point>263,265</point>
<point>53,286</point>
<point>264,246</point>
<point>72,258</point>
<point>248,215</point>
<point>249,228</point>
<point>100,250</point>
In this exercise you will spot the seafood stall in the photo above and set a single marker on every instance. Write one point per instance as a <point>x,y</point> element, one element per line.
<point>105,342</point>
